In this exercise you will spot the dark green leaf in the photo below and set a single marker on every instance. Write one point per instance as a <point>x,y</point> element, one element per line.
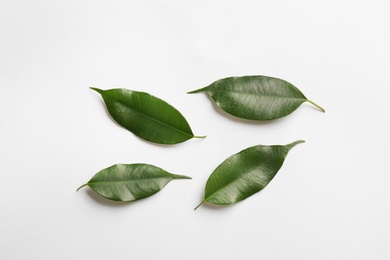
<point>256,97</point>
<point>245,173</point>
<point>146,116</point>
<point>129,182</point>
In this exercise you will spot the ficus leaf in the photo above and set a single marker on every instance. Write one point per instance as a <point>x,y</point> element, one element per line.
<point>129,182</point>
<point>256,97</point>
<point>147,116</point>
<point>245,173</point>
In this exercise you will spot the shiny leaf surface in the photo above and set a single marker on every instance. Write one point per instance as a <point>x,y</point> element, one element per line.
<point>146,116</point>
<point>245,173</point>
<point>256,97</point>
<point>129,182</point>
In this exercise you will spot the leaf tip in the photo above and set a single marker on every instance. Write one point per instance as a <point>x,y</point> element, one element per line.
<point>97,90</point>
<point>177,176</point>
<point>295,143</point>
<point>197,91</point>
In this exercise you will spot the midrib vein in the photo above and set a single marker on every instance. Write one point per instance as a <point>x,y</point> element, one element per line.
<point>155,120</point>
<point>265,95</point>
<point>125,181</point>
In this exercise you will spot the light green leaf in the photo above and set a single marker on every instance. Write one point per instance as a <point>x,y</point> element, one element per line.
<point>147,116</point>
<point>256,97</point>
<point>245,173</point>
<point>129,182</point>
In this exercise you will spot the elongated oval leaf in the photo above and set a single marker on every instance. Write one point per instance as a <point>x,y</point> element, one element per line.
<point>245,173</point>
<point>129,182</point>
<point>147,116</point>
<point>256,97</point>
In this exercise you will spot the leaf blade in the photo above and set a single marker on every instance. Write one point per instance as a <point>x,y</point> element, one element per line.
<point>255,97</point>
<point>245,173</point>
<point>147,116</point>
<point>130,182</point>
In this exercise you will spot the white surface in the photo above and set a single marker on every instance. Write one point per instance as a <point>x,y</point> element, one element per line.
<point>331,198</point>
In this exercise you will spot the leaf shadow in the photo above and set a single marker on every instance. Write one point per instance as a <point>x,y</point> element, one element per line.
<point>239,120</point>
<point>213,207</point>
<point>106,202</point>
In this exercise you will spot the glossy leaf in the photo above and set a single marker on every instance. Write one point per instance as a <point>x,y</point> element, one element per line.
<point>256,97</point>
<point>147,116</point>
<point>129,182</point>
<point>245,173</point>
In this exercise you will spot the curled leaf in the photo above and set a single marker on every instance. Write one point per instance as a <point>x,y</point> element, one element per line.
<point>256,97</point>
<point>147,116</point>
<point>129,182</point>
<point>245,173</point>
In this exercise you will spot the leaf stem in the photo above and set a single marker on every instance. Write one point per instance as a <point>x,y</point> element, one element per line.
<point>202,136</point>
<point>314,104</point>
<point>199,205</point>
<point>82,186</point>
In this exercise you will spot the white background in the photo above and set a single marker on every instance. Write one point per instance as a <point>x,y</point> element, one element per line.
<point>331,198</point>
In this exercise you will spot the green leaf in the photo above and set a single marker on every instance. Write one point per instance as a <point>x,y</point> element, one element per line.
<point>147,116</point>
<point>129,182</point>
<point>256,97</point>
<point>245,173</point>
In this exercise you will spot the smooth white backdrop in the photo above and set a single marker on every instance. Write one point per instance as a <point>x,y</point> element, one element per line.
<point>331,198</point>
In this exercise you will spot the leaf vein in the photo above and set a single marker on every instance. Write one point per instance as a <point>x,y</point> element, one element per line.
<point>155,120</point>
<point>124,181</point>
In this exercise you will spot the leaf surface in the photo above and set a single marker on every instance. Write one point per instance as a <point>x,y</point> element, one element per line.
<point>146,116</point>
<point>256,97</point>
<point>129,182</point>
<point>245,173</point>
